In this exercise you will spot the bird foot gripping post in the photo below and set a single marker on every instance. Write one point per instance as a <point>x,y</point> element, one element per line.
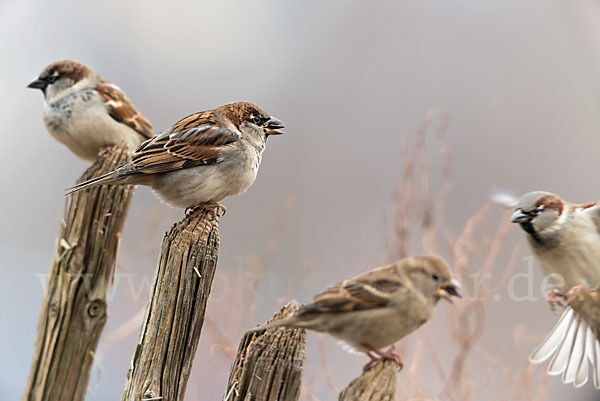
<point>74,311</point>
<point>175,312</point>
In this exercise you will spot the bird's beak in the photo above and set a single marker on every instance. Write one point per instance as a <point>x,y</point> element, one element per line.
<point>38,84</point>
<point>450,289</point>
<point>273,127</point>
<point>519,217</point>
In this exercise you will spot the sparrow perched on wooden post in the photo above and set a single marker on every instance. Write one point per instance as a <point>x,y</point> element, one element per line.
<point>377,308</point>
<point>202,159</point>
<point>86,112</point>
<point>565,238</point>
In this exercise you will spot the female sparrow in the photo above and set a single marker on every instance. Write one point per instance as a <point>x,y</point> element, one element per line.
<point>86,112</point>
<point>565,238</point>
<point>376,309</point>
<point>202,159</point>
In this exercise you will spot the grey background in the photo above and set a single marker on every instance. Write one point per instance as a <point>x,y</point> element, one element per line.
<point>519,80</point>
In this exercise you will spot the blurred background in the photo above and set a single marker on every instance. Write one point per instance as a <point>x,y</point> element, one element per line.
<point>517,83</point>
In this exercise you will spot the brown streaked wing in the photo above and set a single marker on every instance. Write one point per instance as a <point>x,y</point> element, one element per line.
<point>367,291</point>
<point>195,120</point>
<point>122,110</point>
<point>194,141</point>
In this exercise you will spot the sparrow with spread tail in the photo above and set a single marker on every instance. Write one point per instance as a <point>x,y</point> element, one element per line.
<point>202,159</point>
<point>377,308</point>
<point>86,112</point>
<point>565,238</point>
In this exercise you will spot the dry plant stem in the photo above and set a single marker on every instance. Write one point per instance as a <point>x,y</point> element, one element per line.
<point>268,365</point>
<point>175,312</point>
<point>477,253</point>
<point>376,384</point>
<point>74,311</point>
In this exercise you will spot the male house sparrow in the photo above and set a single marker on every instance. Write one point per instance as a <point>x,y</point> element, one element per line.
<point>565,238</point>
<point>379,307</point>
<point>203,158</point>
<point>86,112</point>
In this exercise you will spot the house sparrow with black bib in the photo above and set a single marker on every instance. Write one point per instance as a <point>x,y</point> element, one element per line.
<point>377,308</point>
<point>202,159</point>
<point>86,112</point>
<point>565,239</point>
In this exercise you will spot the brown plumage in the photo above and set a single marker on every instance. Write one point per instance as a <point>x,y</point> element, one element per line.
<point>376,309</point>
<point>196,140</point>
<point>86,112</point>
<point>202,159</point>
<point>122,110</point>
<point>565,238</point>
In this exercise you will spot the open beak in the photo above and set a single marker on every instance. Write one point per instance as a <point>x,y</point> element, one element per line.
<point>519,217</point>
<point>273,127</point>
<point>38,84</point>
<point>450,289</point>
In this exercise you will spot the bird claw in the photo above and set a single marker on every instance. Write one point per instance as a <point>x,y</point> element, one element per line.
<point>556,298</point>
<point>211,207</point>
<point>381,356</point>
<point>222,208</point>
<point>577,292</point>
<point>561,299</point>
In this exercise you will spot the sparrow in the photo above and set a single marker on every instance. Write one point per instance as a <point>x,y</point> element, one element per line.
<point>86,112</point>
<point>565,239</point>
<point>379,307</point>
<point>202,159</point>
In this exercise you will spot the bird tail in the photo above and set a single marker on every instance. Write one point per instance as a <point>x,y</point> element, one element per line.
<point>571,344</point>
<point>103,179</point>
<point>288,321</point>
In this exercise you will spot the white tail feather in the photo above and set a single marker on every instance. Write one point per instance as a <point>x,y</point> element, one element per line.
<point>571,344</point>
<point>546,349</point>
<point>581,377</point>
<point>590,352</point>
<point>561,357</point>
<point>576,353</point>
<point>596,364</point>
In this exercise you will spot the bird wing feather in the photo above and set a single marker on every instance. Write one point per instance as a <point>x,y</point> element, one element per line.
<point>369,290</point>
<point>122,110</point>
<point>571,344</point>
<point>195,140</point>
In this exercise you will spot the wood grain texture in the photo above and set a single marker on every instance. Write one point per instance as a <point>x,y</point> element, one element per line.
<point>376,384</point>
<point>268,366</point>
<point>175,312</point>
<point>74,312</point>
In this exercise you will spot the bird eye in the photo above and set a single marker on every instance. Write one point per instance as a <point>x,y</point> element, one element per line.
<point>435,277</point>
<point>51,79</point>
<point>256,120</point>
<point>538,209</point>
